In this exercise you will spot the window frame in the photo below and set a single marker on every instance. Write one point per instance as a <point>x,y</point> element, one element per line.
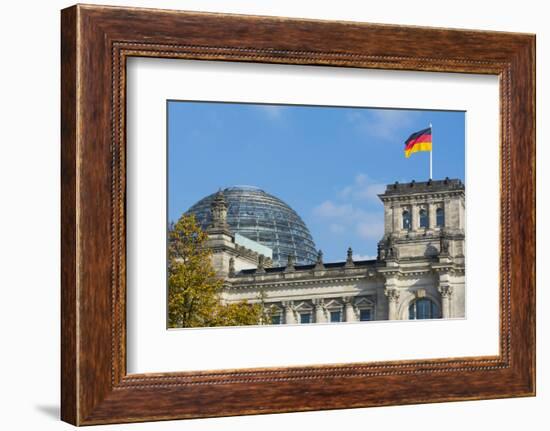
<point>440,210</point>
<point>331,312</point>
<point>305,313</point>
<point>425,218</point>
<point>406,215</point>
<point>434,307</point>
<point>370,310</point>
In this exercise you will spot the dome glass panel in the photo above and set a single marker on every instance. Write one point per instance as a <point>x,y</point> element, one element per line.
<point>264,218</point>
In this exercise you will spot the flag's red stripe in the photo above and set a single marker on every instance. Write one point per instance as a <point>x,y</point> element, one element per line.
<point>422,138</point>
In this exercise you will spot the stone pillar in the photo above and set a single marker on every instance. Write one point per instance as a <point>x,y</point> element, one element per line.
<point>461,210</point>
<point>432,216</point>
<point>446,292</point>
<point>447,212</point>
<point>349,313</point>
<point>288,307</point>
<point>393,297</point>
<point>319,310</point>
<point>388,219</point>
<point>414,217</point>
<point>396,212</point>
<point>391,292</point>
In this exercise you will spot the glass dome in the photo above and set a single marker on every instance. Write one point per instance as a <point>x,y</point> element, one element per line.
<point>264,218</point>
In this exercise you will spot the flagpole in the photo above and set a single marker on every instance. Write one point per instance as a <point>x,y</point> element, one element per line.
<point>431,130</point>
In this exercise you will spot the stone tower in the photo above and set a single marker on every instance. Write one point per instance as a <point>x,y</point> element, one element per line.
<point>218,210</point>
<point>228,256</point>
<point>424,227</point>
<point>423,219</point>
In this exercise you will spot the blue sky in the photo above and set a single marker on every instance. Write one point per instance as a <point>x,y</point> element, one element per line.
<point>328,163</point>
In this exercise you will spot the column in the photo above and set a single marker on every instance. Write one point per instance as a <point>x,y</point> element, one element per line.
<point>414,217</point>
<point>447,212</point>
<point>393,297</point>
<point>388,219</point>
<point>431,215</point>
<point>319,310</point>
<point>396,212</point>
<point>288,307</point>
<point>349,313</point>
<point>446,292</point>
<point>461,211</point>
<point>391,292</point>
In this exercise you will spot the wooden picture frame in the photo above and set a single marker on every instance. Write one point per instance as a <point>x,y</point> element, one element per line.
<point>95,42</point>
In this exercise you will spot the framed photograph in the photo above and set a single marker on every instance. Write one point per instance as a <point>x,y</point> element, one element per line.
<point>267,215</point>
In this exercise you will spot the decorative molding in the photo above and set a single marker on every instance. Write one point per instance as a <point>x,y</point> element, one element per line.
<point>392,294</point>
<point>445,290</point>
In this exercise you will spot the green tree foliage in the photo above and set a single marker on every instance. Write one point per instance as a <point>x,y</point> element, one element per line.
<point>194,290</point>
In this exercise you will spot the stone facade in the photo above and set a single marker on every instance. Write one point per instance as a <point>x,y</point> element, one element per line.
<point>418,273</point>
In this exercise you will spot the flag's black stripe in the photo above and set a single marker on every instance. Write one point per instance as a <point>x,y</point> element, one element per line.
<point>415,135</point>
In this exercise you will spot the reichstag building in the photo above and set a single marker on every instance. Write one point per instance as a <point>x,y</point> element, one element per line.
<point>261,246</point>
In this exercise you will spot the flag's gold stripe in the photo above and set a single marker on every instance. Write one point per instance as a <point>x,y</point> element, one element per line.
<point>421,146</point>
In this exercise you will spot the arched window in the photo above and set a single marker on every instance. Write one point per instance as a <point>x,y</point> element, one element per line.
<point>423,217</point>
<point>440,217</point>
<point>424,308</point>
<point>406,220</point>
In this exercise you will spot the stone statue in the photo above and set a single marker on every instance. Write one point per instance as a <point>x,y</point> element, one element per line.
<point>261,264</point>
<point>381,251</point>
<point>319,264</point>
<point>349,258</point>
<point>444,245</point>
<point>392,251</point>
<point>290,263</point>
<point>231,267</point>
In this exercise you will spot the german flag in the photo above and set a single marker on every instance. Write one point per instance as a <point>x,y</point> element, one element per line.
<point>419,141</point>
